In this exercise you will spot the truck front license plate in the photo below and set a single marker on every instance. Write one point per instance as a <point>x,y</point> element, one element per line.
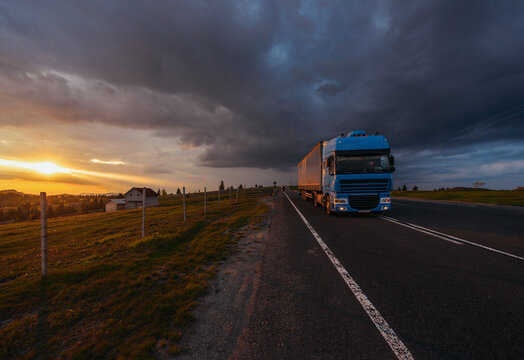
<point>364,211</point>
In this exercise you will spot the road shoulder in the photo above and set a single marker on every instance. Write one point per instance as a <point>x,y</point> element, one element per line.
<point>224,312</point>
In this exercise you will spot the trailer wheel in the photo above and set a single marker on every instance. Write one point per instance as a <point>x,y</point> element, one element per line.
<point>315,201</point>
<point>328,206</point>
<point>303,194</point>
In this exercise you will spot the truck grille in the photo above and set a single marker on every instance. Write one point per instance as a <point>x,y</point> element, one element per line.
<point>363,202</point>
<point>362,186</point>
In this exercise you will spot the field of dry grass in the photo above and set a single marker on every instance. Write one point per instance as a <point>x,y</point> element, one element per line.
<point>495,197</point>
<point>109,293</point>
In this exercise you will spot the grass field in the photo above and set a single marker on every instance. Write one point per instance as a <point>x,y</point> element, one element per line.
<point>109,293</point>
<point>498,197</point>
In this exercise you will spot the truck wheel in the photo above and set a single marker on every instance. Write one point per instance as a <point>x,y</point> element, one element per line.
<point>328,206</point>
<point>315,201</point>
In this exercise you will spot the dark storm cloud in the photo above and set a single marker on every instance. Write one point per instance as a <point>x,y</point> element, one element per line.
<point>258,83</point>
<point>331,89</point>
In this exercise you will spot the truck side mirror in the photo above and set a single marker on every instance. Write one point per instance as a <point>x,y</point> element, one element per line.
<point>391,160</point>
<point>392,169</point>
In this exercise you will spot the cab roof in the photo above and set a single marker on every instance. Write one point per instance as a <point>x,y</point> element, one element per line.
<point>359,141</point>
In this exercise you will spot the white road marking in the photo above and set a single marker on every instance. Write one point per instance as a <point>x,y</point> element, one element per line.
<point>421,229</point>
<point>447,237</point>
<point>385,330</point>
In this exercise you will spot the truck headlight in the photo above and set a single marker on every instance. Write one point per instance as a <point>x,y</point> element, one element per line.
<point>341,201</point>
<point>385,200</point>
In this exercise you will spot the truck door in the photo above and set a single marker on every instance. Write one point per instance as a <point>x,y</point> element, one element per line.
<point>328,174</point>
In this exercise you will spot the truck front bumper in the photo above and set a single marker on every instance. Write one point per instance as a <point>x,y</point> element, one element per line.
<point>362,203</point>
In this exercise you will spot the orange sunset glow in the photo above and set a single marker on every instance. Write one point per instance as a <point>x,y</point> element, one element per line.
<point>44,167</point>
<point>33,177</point>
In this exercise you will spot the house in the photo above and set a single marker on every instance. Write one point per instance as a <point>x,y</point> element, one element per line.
<point>115,204</point>
<point>134,198</point>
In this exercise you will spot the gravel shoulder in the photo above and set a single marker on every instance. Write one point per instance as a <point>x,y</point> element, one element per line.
<point>224,312</point>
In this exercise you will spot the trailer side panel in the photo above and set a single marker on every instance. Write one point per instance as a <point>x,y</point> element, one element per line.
<point>310,170</point>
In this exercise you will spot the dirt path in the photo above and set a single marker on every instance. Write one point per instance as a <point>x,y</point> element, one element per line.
<point>224,313</point>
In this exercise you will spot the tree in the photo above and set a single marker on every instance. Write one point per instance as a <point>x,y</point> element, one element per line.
<point>477,184</point>
<point>415,188</point>
<point>35,213</point>
<point>404,187</point>
<point>240,186</point>
<point>178,192</point>
<point>61,209</point>
<point>85,207</point>
<point>221,187</point>
<point>164,192</point>
<point>50,211</point>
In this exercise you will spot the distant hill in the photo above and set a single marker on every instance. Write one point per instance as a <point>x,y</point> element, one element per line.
<point>460,188</point>
<point>13,198</point>
<point>17,206</point>
<point>9,191</point>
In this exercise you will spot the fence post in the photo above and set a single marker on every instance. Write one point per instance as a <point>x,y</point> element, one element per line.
<point>236,199</point>
<point>43,232</point>
<point>143,212</point>
<point>205,199</point>
<point>230,195</point>
<point>218,204</point>
<point>184,201</point>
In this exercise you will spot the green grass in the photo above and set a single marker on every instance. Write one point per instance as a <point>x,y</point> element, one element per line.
<point>497,197</point>
<point>109,293</point>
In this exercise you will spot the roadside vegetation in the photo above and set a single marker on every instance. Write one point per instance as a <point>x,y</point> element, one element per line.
<point>109,293</point>
<point>16,206</point>
<point>495,197</point>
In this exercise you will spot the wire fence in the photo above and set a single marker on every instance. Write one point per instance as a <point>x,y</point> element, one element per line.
<point>213,200</point>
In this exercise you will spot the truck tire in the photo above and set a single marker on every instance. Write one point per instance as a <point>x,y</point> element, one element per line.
<point>303,194</point>
<point>328,206</point>
<point>315,201</point>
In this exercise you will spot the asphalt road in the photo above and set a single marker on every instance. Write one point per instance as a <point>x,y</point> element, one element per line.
<point>455,294</point>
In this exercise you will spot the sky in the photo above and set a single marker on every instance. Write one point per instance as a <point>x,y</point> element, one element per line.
<point>168,94</point>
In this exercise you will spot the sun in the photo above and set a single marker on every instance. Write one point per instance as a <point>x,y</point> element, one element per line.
<point>48,168</point>
<point>44,167</point>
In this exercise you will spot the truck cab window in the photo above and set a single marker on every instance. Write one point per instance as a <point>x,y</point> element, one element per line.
<point>331,165</point>
<point>363,164</point>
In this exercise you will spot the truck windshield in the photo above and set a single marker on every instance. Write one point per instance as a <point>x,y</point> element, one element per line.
<point>362,164</point>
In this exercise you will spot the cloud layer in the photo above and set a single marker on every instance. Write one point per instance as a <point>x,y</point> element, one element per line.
<point>257,83</point>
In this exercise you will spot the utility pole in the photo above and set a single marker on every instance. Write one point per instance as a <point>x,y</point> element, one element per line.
<point>143,212</point>
<point>205,199</point>
<point>43,232</point>
<point>184,201</point>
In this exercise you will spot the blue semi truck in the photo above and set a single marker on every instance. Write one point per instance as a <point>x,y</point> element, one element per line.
<point>349,173</point>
